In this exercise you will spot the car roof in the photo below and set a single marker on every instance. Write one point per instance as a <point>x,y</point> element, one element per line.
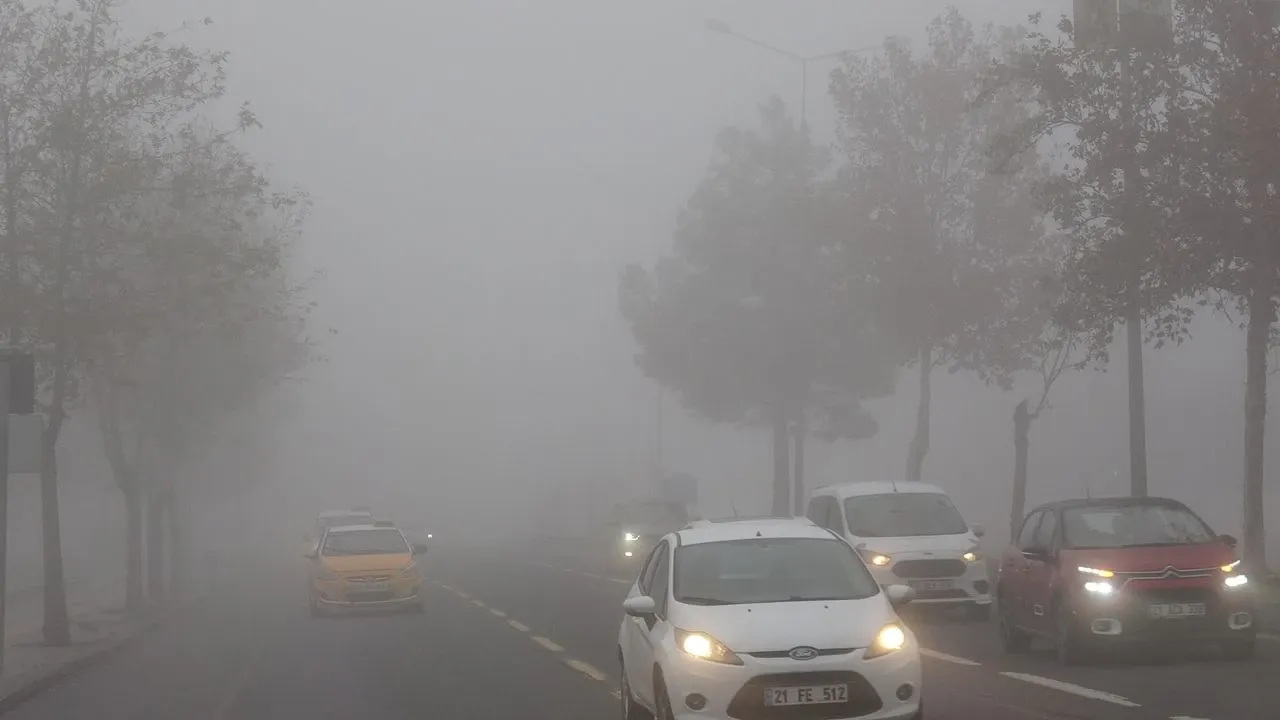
<point>858,489</point>
<point>712,522</point>
<point>748,529</point>
<point>340,513</point>
<point>1126,501</point>
<point>358,528</point>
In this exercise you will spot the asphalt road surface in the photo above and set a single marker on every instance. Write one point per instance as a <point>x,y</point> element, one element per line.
<point>531,634</point>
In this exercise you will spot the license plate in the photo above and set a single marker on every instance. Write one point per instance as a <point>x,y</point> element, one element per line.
<point>369,587</point>
<point>810,695</point>
<point>932,584</point>
<point>1176,610</point>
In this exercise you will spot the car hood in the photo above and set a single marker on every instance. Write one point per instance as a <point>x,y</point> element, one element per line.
<point>367,563</point>
<point>781,626</point>
<point>950,544</point>
<point>1152,559</point>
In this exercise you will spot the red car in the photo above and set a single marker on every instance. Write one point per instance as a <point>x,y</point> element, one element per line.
<point>1103,573</point>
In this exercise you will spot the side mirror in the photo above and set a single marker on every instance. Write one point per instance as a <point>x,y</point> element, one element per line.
<point>900,595</point>
<point>1229,540</point>
<point>978,530</point>
<point>641,606</point>
<point>419,549</point>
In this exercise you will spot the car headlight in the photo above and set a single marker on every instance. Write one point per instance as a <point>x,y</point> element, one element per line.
<point>971,557</point>
<point>705,647</point>
<point>630,537</point>
<point>326,574</point>
<point>1235,581</point>
<point>1099,588</point>
<point>872,557</point>
<point>1095,572</point>
<point>890,639</point>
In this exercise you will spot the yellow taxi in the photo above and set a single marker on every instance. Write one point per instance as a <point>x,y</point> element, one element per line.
<point>364,566</point>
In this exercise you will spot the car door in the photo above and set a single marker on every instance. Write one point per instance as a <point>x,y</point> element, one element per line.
<point>1013,571</point>
<point>1042,565</point>
<point>650,631</point>
<point>633,647</point>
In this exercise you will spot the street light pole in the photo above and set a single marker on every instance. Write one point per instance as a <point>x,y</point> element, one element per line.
<point>722,28</point>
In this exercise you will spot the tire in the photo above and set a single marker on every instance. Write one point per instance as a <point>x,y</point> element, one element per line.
<point>316,612</point>
<point>1067,643</point>
<point>1013,640</point>
<point>631,710</point>
<point>977,613</point>
<point>1238,650</point>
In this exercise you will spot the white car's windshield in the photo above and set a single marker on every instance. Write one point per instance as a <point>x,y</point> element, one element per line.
<point>768,570</point>
<point>1132,526</point>
<point>376,541</point>
<point>903,515</point>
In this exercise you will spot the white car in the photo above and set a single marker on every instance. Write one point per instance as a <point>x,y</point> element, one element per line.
<point>760,618</point>
<point>910,533</point>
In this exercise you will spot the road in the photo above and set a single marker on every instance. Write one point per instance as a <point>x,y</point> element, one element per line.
<point>531,634</point>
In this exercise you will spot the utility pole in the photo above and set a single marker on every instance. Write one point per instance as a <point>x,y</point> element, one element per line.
<point>17,396</point>
<point>657,441</point>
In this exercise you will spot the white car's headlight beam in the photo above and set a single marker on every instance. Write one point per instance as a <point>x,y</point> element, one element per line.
<point>890,639</point>
<point>630,537</point>
<point>705,647</point>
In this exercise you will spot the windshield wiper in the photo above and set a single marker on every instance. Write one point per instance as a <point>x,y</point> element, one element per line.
<point>703,601</point>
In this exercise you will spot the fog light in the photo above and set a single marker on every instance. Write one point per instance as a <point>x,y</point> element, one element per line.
<point>1105,626</point>
<point>627,554</point>
<point>1240,620</point>
<point>905,692</point>
<point>695,701</point>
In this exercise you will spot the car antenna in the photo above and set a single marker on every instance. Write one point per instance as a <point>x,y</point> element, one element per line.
<point>733,507</point>
<point>894,483</point>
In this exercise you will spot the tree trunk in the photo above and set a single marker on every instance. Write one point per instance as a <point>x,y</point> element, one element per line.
<point>781,461</point>
<point>1137,403</point>
<point>920,443</point>
<point>57,626</point>
<point>134,595</point>
<point>1262,315</point>
<point>155,547</point>
<point>180,558</point>
<point>797,464</point>
<point>1021,441</point>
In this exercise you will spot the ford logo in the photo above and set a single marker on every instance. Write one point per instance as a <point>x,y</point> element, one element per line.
<point>803,653</point>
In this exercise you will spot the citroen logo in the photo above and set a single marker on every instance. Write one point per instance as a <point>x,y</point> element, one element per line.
<point>803,653</point>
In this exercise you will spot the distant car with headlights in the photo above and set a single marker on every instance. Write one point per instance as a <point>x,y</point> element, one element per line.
<point>910,533</point>
<point>764,618</point>
<point>364,566</point>
<point>635,526</point>
<point>1104,573</point>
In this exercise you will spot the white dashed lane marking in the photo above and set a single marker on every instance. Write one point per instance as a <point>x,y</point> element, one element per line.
<point>462,595</point>
<point>544,642</point>
<point>588,670</point>
<point>477,603</point>
<point>934,654</point>
<point>497,612</point>
<point>518,625</point>
<point>1073,689</point>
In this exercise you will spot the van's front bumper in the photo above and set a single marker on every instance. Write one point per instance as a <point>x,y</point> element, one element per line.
<point>938,580</point>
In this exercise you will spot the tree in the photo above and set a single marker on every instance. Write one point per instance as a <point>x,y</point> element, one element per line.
<point>1224,146</point>
<point>105,89</point>
<point>743,319</point>
<point>936,232</point>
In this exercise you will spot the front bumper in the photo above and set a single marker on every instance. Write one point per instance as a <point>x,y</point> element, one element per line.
<point>938,581</point>
<point>336,594</point>
<point>734,692</point>
<point>1124,618</point>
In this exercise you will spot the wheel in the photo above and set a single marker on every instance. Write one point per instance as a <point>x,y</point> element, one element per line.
<point>631,710</point>
<point>1067,643</point>
<point>315,608</point>
<point>1238,650</point>
<point>661,699</point>
<point>1013,640</point>
<point>978,613</point>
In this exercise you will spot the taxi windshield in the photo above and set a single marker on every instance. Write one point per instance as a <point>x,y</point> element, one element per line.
<point>376,541</point>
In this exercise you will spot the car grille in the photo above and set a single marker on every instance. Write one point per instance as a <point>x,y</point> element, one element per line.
<point>368,596</point>
<point>367,578</point>
<point>775,654</point>
<point>748,703</point>
<point>929,568</point>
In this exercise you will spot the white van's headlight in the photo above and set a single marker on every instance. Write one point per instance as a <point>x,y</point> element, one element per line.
<point>891,638</point>
<point>878,559</point>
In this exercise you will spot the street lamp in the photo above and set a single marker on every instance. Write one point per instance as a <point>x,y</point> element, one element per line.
<point>721,27</point>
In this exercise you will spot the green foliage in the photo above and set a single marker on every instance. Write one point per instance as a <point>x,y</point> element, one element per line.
<point>748,315</point>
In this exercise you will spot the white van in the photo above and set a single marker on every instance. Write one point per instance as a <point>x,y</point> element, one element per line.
<point>910,533</point>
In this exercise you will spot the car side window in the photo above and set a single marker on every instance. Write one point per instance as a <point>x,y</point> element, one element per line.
<point>818,510</point>
<point>646,572</point>
<point>661,579</point>
<point>1027,538</point>
<point>1047,531</point>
